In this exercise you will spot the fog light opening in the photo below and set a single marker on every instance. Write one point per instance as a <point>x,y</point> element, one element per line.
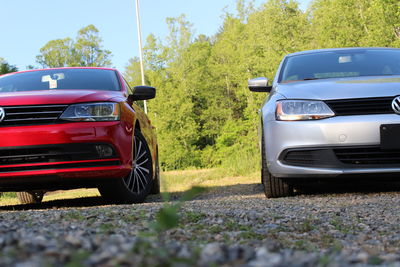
<point>104,151</point>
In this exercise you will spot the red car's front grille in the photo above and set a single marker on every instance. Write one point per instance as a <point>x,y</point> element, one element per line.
<point>32,115</point>
<point>63,165</point>
<point>57,156</point>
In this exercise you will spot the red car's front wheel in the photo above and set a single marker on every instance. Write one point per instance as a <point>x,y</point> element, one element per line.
<point>134,187</point>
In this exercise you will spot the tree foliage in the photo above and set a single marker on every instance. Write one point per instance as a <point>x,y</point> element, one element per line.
<point>204,113</point>
<point>5,67</point>
<point>356,23</point>
<point>57,53</point>
<point>86,50</point>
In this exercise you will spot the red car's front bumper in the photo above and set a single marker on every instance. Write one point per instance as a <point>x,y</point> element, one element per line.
<point>71,151</point>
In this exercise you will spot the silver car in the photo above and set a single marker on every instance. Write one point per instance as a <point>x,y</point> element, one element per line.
<point>330,113</point>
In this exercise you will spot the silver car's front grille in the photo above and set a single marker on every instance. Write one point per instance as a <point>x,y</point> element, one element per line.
<point>372,155</point>
<point>32,115</point>
<point>342,157</point>
<point>361,106</point>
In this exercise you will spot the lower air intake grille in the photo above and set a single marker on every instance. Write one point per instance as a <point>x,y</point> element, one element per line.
<point>305,157</point>
<point>367,156</point>
<point>61,166</point>
<point>308,157</point>
<point>53,153</point>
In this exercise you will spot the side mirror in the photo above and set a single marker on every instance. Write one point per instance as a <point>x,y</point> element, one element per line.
<point>142,93</point>
<point>259,85</point>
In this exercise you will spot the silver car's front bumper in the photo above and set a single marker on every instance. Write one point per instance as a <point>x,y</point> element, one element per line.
<point>341,131</point>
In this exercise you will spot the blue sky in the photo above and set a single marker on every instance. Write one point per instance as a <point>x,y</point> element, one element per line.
<point>28,25</point>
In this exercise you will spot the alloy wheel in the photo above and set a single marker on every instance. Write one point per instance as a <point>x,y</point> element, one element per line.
<point>138,179</point>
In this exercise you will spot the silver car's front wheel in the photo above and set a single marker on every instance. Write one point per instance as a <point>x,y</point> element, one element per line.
<point>134,187</point>
<point>273,186</point>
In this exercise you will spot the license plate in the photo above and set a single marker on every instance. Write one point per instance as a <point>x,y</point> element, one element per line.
<point>390,136</point>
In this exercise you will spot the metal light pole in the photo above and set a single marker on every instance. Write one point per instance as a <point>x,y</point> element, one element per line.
<point>139,31</point>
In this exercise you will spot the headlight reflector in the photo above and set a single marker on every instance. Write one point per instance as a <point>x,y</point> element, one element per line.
<point>297,110</point>
<point>106,111</point>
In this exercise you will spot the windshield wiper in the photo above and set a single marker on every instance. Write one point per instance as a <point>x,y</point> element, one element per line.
<point>310,79</point>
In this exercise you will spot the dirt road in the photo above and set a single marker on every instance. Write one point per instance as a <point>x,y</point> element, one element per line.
<point>231,225</point>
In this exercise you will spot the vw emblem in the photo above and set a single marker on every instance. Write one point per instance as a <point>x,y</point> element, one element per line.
<point>396,105</point>
<point>2,114</point>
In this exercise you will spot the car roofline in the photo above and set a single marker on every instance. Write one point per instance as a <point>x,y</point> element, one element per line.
<point>315,51</point>
<point>60,68</point>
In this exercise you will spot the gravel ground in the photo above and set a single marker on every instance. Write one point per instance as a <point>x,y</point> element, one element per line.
<point>226,226</point>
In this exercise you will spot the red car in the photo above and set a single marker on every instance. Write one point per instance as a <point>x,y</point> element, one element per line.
<point>70,128</point>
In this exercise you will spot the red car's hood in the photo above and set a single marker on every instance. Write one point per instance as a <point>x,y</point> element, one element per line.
<point>56,97</point>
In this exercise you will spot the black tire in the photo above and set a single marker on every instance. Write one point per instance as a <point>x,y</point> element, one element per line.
<point>30,197</point>
<point>156,182</point>
<point>135,187</point>
<point>273,186</point>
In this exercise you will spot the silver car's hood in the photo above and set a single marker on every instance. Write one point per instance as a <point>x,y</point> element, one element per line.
<point>341,88</point>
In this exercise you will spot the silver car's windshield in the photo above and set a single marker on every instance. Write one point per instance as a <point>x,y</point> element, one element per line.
<point>341,63</point>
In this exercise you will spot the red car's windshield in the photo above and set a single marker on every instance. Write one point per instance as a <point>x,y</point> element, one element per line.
<point>60,79</point>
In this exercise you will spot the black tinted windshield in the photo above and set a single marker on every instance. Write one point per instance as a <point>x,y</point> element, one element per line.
<point>341,63</point>
<point>60,79</point>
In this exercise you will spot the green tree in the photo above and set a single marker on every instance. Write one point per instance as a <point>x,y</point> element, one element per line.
<point>179,38</point>
<point>85,51</point>
<point>6,68</point>
<point>58,53</point>
<point>174,110</point>
<point>154,54</point>
<point>89,49</point>
<point>132,72</point>
<point>345,23</point>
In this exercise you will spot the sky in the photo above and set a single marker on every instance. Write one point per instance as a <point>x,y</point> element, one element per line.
<point>28,25</point>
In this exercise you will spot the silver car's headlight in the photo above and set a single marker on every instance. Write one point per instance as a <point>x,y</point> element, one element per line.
<point>106,111</point>
<point>297,110</point>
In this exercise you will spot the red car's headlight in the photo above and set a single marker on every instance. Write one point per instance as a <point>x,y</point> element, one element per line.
<point>106,111</point>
